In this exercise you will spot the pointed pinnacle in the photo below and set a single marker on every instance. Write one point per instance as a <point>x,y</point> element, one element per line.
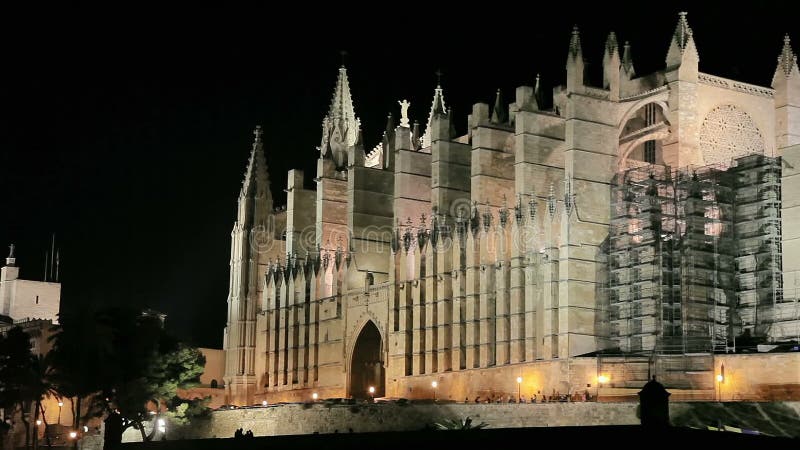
<point>575,42</point>
<point>389,123</point>
<point>787,59</point>
<point>612,46</point>
<point>499,114</point>
<point>682,32</point>
<point>627,59</point>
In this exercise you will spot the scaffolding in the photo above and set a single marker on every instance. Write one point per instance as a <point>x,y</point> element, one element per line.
<point>758,233</point>
<point>694,258</point>
<point>642,298</point>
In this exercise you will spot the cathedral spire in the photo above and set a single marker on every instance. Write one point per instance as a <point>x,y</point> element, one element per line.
<point>256,177</point>
<point>437,109</point>
<point>340,126</point>
<point>786,83</point>
<point>787,61</point>
<point>612,46</point>
<point>627,60</point>
<point>575,65</point>
<point>575,43</point>
<point>499,114</point>
<point>611,66</point>
<point>682,44</point>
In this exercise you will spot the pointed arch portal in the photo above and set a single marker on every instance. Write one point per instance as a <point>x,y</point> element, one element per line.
<point>366,366</point>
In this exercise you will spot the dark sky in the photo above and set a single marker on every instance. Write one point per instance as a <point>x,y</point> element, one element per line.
<point>129,139</point>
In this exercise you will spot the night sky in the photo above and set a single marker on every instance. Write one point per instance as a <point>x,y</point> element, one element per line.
<point>129,141</point>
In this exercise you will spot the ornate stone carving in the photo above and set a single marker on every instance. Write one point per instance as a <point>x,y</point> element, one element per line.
<point>728,132</point>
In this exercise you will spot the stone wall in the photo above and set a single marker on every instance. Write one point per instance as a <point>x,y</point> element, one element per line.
<point>215,366</point>
<point>364,417</point>
<point>748,377</point>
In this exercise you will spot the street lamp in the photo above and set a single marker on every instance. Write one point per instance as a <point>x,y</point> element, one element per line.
<point>519,389</point>
<point>434,385</point>
<point>372,393</point>
<point>60,404</point>
<point>601,380</point>
<point>315,396</point>
<point>263,403</point>
<point>73,434</point>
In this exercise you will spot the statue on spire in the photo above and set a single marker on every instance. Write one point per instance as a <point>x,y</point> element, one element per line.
<point>404,104</point>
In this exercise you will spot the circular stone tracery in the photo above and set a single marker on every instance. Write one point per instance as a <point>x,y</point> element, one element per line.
<point>728,132</point>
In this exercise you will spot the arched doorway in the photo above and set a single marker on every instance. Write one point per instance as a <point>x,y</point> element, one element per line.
<point>366,366</point>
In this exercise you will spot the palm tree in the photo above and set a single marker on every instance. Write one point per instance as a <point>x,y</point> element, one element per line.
<point>455,424</point>
<point>40,386</point>
<point>82,350</point>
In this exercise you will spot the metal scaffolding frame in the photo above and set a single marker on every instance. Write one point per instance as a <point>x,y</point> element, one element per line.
<point>694,258</point>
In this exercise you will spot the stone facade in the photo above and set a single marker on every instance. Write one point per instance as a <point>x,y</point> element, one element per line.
<point>27,299</point>
<point>437,255</point>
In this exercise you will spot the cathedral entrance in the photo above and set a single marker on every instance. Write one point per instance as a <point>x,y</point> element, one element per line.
<point>366,366</point>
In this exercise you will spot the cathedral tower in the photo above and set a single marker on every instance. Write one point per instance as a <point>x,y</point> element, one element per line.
<point>251,240</point>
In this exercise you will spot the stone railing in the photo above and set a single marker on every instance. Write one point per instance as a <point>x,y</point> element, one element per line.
<point>725,83</point>
<point>643,94</point>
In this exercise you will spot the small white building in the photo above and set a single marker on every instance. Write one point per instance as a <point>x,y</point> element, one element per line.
<point>27,299</point>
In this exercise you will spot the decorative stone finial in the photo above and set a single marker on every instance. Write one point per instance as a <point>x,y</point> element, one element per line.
<point>499,115</point>
<point>11,260</point>
<point>551,201</point>
<point>612,46</point>
<point>437,109</point>
<point>787,60</point>
<point>575,42</point>
<point>627,59</point>
<point>682,32</point>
